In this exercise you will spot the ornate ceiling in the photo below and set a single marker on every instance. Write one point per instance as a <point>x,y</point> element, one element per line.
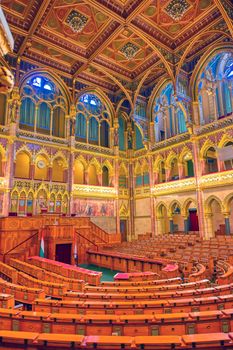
<point>114,43</point>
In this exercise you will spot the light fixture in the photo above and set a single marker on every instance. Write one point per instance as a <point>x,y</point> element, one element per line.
<point>76,21</point>
<point>177,8</point>
<point>129,50</point>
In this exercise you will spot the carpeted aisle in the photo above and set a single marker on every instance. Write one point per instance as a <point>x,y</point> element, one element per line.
<point>107,275</point>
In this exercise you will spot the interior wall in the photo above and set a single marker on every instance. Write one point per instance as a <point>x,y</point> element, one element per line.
<point>142,218</point>
<point>107,224</point>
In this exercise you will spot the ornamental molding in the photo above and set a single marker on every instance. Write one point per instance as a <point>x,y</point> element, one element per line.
<point>215,180</point>
<point>175,186</point>
<point>94,191</point>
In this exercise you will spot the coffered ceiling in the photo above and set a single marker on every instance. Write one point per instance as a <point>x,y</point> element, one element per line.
<point>109,43</point>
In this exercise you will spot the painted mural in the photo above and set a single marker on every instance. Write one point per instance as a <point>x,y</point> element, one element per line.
<point>89,207</point>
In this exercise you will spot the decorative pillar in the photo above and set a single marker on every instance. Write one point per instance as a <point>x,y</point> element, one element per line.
<point>116,185</point>
<point>199,193</point>
<point>209,231</point>
<point>227,223</point>
<point>156,178</point>
<point>181,170</point>
<point>195,112</point>
<point>152,207</point>
<point>131,198</point>
<point>171,224</point>
<point>32,170</point>
<point>70,182</point>
<point>159,224</point>
<point>152,133</point>
<point>167,174</point>
<point>86,178</point>
<point>50,173</point>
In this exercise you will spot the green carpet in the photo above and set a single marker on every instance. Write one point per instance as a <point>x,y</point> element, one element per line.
<point>107,274</point>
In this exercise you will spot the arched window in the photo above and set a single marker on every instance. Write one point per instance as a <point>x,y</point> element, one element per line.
<point>215,88</point>
<point>105,176</point>
<point>43,107</point>
<point>169,119</point>
<point>92,110</point>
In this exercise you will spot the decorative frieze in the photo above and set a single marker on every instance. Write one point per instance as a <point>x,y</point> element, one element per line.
<point>94,191</point>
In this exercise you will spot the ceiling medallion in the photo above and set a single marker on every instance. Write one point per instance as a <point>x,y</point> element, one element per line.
<point>129,50</point>
<point>76,21</point>
<point>177,8</point>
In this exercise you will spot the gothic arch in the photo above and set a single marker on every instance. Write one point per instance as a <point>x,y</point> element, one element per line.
<point>209,54</point>
<point>51,75</point>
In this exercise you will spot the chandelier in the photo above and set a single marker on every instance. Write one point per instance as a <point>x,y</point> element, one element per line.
<point>129,50</point>
<point>76,21</point>
<point>177,8</point>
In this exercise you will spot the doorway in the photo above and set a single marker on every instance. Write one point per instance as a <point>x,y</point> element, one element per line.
<point>123,230</point>
<point>63,253</point>
<point>193,220</point>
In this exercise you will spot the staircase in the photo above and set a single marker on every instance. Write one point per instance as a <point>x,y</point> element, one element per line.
<point>93,237</point>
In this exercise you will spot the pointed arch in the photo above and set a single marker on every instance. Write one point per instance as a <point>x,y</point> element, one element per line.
<point>209,200</point>
<point>48,73</point>
<point>209,54</point>
<point>208,144</point>
<point>109,166</point>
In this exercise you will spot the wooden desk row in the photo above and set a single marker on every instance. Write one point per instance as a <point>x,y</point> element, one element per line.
<point>51,289</point>
<point>190,293</point>
<point>36,341</point>
<point>176,280</point>
<point>44,275</point>
<point>66,270</point>
<point>147,288</point>
<point>133,307</point>
<point>213,321</point>
<point>21,293</point>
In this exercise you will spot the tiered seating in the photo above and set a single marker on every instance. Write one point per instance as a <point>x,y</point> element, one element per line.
<point>47,276</point>
<point>140,309</point>
<point>35,340</point>
<point>22,294</point>
<point>180,323</point>
<point>183,248</point>
<point>67,270</point>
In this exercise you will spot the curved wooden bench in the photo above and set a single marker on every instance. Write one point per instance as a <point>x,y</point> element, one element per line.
<point>66,270</point>
<point>44,275</point>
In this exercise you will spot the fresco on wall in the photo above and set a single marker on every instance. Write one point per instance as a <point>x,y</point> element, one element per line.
<point>93,207</point>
